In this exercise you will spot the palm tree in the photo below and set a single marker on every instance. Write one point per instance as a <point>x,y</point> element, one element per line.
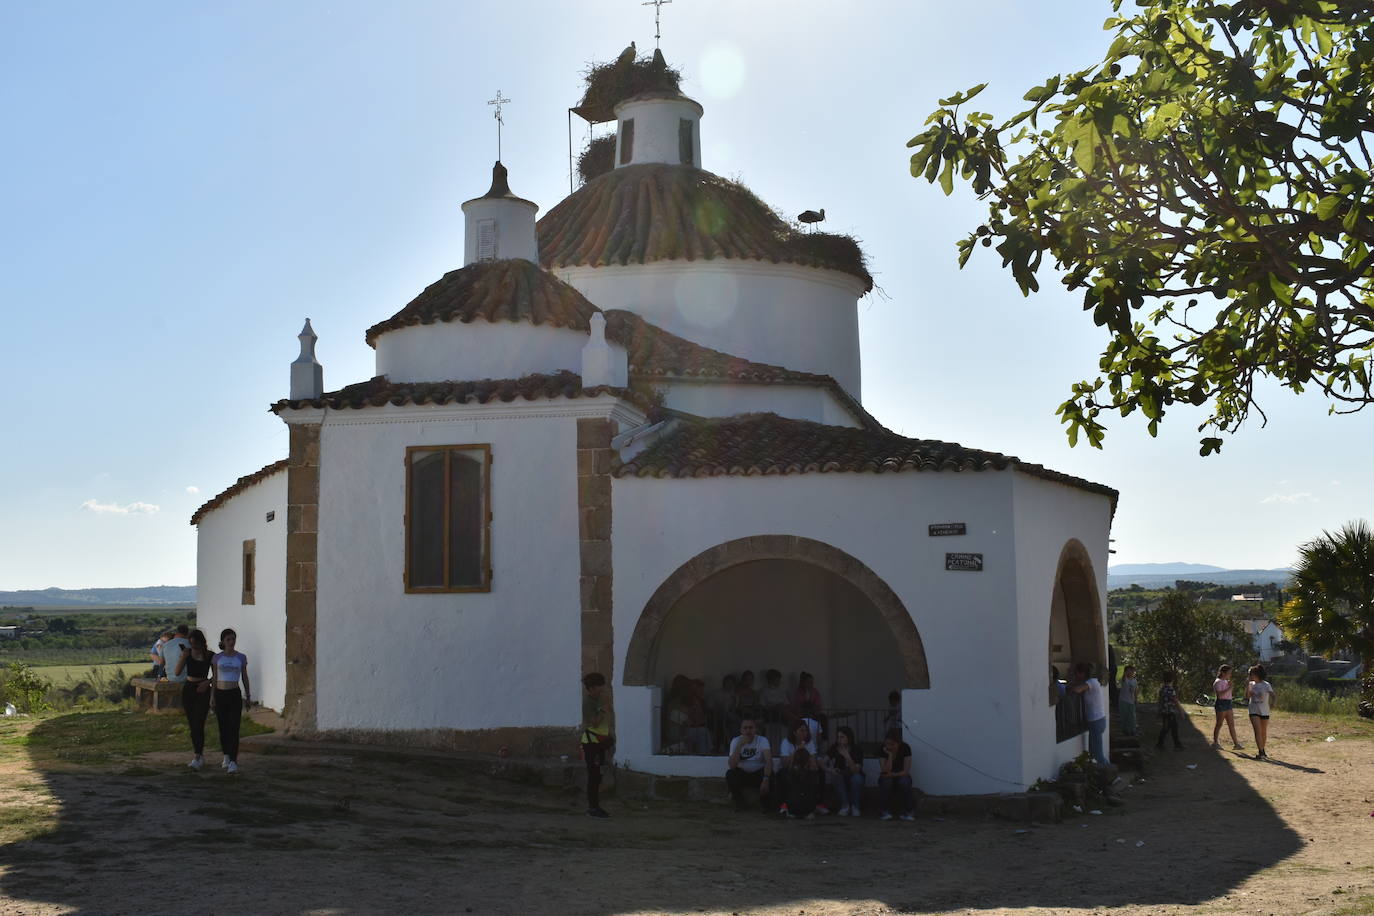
<point>1332,603</point>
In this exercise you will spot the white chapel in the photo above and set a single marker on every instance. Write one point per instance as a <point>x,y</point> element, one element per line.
<point>629,437</point>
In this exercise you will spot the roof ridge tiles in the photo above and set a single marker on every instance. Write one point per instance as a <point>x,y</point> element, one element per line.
<point>238,486</point>
<point>767,444</point>
<point>637,214</point>
<point>380,391</point>
<point>507,290</point>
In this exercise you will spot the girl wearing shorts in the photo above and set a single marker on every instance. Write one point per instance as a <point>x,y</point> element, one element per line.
<point>1222,688</point>
<point>1261,694</point>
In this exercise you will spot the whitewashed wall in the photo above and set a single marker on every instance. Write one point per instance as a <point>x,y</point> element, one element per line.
<point>972,710</point>
<point>261,626</point>
<point>719,399</point>
<point>656,137</point>
<point>479,350</point>
<point>800,317</point>
<point>1048,516</point>
<point>508,657</point>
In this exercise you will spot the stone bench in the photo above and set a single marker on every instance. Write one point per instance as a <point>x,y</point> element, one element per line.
<point>155,695</point>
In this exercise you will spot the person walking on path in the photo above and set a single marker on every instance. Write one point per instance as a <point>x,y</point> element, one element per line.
<point>1126,698</point>
<point>230,670</point>
<point>1169,711</point>
<point>193,666</point>
<point>1224,705</point>
<point>597,738</point>
<point>1261,695</point>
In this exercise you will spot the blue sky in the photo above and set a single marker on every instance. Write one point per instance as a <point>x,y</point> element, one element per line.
<point>182,184</point>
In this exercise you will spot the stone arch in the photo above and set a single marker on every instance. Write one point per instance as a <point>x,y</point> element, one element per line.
<point>906,638</point>
<point>1076,612</point>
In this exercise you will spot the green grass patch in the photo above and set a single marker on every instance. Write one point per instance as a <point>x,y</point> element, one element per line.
<point>25,822</point>
<point>47,658</point>
<point>67,675</point>
<point>1311,700</point>
<point>97,738</point>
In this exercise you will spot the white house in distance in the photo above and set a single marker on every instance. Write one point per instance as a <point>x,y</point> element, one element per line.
<point>1266,635</point>
<point>629,438</point>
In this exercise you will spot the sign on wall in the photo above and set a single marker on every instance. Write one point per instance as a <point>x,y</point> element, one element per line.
<point>964,562</point>
<point>946,529</point>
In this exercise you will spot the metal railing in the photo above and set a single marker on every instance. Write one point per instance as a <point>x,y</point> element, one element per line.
<point>710,735</point>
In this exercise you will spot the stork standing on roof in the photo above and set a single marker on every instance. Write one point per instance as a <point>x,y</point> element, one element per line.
<point>627,56</point>
<point>811,217</point>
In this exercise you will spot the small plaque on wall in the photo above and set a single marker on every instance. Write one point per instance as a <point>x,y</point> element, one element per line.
<point>948,528</point>
<point>964,562</point>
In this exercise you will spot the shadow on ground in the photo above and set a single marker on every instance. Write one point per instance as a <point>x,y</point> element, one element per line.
<point>343,834</point>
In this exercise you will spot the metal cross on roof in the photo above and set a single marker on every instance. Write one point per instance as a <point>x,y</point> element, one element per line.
<point>498,102</point>
<point>658,9</point>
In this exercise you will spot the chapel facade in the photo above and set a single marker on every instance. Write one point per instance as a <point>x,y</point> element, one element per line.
<point>629,437</point>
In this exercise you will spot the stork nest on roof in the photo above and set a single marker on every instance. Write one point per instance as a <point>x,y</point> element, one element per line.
<point>832,248</point>
<point>597,159</point>
<point>610,84</point>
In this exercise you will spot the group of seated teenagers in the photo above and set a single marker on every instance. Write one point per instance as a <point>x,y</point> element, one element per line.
<point>808,771</point>
<point>697,723</point>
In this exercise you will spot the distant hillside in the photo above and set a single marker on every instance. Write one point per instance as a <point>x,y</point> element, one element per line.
<point>1220,577</point>
<point>1182,570</point>
<point>154,595</point>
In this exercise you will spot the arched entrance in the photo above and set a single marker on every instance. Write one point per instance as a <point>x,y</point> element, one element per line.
<point>1076,633</point>
<point>773,578</point>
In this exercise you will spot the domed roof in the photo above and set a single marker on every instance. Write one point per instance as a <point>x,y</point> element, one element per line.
<point>508,290</point>
<point>656,212</point>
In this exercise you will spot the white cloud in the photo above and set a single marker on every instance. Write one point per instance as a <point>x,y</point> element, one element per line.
<point>100,508</point>
<point>1288,498</point>
<point>193,490</point>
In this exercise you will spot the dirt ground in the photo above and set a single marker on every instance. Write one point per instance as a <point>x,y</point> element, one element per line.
<point>343,834</point>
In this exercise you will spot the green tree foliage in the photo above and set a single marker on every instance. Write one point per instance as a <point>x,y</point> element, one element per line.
<point>1208,187</point>
<point>1187,637</point>
<point>1332,596</point>
<point>24,687</point>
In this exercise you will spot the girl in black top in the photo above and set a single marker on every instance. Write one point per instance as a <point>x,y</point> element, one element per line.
<point>195,693</point>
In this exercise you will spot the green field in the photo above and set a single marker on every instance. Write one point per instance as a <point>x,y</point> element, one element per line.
<point>67,675</point>
<point>76,658</point>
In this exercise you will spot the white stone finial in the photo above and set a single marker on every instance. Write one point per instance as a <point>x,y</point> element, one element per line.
<point>307,375</point>
<point>601,363</point>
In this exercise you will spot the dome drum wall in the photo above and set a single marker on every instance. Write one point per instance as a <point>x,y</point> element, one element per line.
<point>497,228</point>
<point>464,351</point>
<point>665,130</point>
<point>803,318</point>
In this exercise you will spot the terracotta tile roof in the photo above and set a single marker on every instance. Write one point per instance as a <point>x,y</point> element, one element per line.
<point>766,445</point>
<point>508,290</point>
<point>655,353</point>
<point>378,392</point>
<point>237,487</point>
<point>657,212</point>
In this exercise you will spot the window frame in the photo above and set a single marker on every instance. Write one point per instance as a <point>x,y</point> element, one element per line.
<point>485,449</point>
<point>248,572</point>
